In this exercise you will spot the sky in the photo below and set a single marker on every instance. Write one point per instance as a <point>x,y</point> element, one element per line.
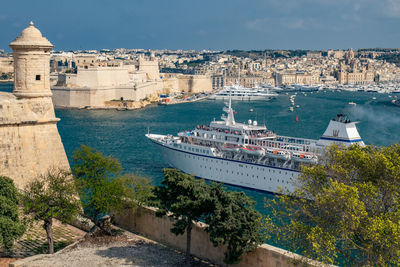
<point>206,24</point>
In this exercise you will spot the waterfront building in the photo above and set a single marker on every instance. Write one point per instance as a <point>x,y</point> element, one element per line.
<point>217,82</point>
<point>294,77</point>
<point>6,64</point>
<point>313,54</point>
<point>93,86</point>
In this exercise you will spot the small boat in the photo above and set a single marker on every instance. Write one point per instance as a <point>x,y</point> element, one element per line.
<point>374,98</point>
<point>297,106</point>
<point>278,154</point>
<point>251,110</point>
<point>230,148</point>
<point>291,109</point>
<point>303,157</point>
<point>253,150</point>
<point>352,104</point>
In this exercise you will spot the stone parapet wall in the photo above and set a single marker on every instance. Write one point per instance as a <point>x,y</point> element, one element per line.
<point>144,221</point>
<point>17,111</point>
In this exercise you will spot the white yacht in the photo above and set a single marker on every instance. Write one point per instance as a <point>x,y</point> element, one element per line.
<point>247,154</point>
<point>237,92</point>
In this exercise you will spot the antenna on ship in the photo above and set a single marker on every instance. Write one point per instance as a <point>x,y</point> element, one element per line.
<point>239,75</point>
<point>230,120</point>
<point>264,119</point>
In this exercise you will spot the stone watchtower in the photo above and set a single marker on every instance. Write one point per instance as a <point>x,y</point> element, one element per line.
<point>29,140</point>
<point>31,54</point>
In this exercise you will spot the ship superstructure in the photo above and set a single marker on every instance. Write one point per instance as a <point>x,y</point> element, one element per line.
<point>247,154</point>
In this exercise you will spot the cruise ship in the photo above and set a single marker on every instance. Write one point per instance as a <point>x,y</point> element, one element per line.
<point>237,92</point>
<point>249,155</point>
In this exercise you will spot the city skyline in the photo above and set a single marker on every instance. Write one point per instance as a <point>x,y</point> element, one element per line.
<point>218,25</point>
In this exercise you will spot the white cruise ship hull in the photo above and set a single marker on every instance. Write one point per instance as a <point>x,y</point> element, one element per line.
<point>238,173</point>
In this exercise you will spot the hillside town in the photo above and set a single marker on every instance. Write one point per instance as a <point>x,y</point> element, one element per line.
<point>106,77</point>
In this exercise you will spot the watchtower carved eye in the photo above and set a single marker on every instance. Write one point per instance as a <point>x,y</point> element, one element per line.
<point>37,77</point>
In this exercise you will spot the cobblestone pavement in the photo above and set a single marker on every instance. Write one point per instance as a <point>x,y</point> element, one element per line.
<point>34,241</point>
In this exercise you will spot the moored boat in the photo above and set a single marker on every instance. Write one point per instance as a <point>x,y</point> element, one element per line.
<point>253,150</point>
<point>230,148</point>
<point>304,157</point>
<point>278,154</point>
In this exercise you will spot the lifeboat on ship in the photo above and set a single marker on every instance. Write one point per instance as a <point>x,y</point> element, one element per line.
<point>304,157</point>
<point>253,150</point>
<point>230,148</point>
<point>278,154</point>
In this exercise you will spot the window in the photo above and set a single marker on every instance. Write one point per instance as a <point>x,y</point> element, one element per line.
<point>37,77</point>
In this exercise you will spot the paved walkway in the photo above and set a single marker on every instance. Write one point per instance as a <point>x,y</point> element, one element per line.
<point>126,250</point>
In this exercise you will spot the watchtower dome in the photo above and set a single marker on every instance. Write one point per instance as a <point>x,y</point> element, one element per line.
<point>31,64</point>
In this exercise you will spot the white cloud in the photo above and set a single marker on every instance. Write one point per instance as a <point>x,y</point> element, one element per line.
<point>392,8</point>
<point>296,24</point>
<point>269,24</point>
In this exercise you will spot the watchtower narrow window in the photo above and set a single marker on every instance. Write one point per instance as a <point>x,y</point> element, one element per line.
<point>37,77</point>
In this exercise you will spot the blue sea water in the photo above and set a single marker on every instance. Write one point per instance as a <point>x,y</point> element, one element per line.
<point>121,133</point>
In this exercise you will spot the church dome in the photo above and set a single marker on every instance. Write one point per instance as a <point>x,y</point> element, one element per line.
<point>30,37</point>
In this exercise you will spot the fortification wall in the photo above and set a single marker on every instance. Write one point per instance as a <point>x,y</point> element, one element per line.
<point>194,83</point>
<point>150,67</point>
<point>145,90</point>
<point>102,77</point>
<point>170,85</point>
<point>29,140</point>
<point>144,221</point>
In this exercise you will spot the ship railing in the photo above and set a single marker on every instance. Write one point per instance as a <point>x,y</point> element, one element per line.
<point>296,140</point>
<point>209,129</point>
<point>263,136</point>
<point>290,147</point>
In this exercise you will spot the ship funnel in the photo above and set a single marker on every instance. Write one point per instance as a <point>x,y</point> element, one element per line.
<point>341,131</point>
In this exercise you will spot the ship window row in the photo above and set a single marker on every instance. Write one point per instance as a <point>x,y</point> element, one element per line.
<point>204,151</point>
<point>240,173</point>
<point>227,163</point>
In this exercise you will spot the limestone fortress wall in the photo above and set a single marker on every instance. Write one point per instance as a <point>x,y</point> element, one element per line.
<point>29,140</point>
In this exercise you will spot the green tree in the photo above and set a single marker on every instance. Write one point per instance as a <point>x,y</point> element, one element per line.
<point>11,228</point>
<point>347,209</point>
<point>52,196</point>
<point>234,222</point>
<point>187,200</point>
<point>103,188</point>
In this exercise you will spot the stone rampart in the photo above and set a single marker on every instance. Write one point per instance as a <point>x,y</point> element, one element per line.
<point>194,83</point>
<point>29,140</point>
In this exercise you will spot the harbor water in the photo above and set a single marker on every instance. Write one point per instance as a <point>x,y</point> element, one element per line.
<point>122,133</point>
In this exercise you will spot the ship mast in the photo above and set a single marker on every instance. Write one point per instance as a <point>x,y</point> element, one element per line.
<point>230,120</point>
<point>239,76</point>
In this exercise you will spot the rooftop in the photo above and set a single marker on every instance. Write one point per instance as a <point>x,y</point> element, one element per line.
<point>30,37</point>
